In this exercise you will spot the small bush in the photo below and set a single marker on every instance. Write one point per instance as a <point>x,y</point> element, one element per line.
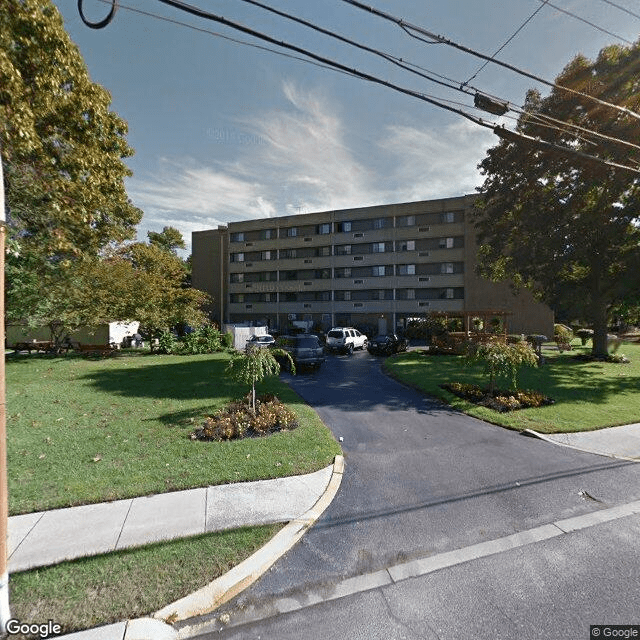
<point>206,339</point>
<point>584,335</point>
<point>227,340</point>
<point>497,399</point>
<point>239,420</point>
<point>166,343</point>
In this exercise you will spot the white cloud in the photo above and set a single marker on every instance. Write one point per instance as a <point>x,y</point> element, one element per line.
<point>437,163</point>
<point>300,161</point>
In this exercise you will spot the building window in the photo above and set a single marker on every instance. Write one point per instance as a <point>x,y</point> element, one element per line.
<point>448,294</point>
<point>446,243</point>
<point>406,269</point>
<point>378,270</point>
<point>290,297</point>
<point>446,267</point>
<point>347,295</point>
<point>324,251</point>
<point>379,223</point>
<point>267,255</point>
<point>407,245</point>
<point>237,237</point>
<point>287,253</point>
<point>237,257</point>
<point>411,294</point>
<point>406,221</point>
<point>344,272</point>
<point>267,234</point>
<point>447,217</point>
<point>378,247</point>
<point>236,277</point>
<point>343,250</point>
<point>323,229</point>
<point>292,232</point>
<point>344,227</point>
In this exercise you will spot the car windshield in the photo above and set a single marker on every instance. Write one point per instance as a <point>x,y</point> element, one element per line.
<point>308,342</point>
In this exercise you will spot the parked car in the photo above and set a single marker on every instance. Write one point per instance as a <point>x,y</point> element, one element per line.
<point>345,340</point>
<point>305,351</point>
<point>388,344</point>
<point>261,341</point>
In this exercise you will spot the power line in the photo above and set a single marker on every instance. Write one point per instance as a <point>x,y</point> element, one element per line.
<point>498,130</point>
<point>408,27</point>
<point>447,82</point>
<point>591,24</point>
<point>617,6</point>
<point>515,33</point>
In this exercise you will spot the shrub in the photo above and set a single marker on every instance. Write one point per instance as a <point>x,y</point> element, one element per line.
<point>227,340</point>
<point>239,420</point>
<point>498,400</point>
<point>166,342</point>
<point>206,339</point>
<point>584,335</point>
<point>502,360</point>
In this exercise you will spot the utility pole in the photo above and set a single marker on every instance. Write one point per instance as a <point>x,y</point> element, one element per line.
<point>5,614</point>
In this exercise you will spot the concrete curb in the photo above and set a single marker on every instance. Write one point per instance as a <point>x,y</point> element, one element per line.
<point>541,436</point>
<point>229,585</point>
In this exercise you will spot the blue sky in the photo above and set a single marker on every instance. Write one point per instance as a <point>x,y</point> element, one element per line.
<point>225,132</point>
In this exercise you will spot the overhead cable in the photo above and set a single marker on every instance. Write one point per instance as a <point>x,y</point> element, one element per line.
<point>408,27</point>
<point>591,24</point>
<point>513,35</point>
<point>498,130</point>
<point>482,100</point>
<point>617,6</point>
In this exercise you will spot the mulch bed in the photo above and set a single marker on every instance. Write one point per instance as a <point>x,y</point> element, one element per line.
<point>500,400</point>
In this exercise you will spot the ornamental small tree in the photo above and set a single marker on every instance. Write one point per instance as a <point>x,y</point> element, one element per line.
<point>502,360</point>
<point>254,365</point>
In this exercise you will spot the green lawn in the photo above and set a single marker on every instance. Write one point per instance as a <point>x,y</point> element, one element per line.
<point>129,584</point>
<point>84,430</point>
<point>588,395</point>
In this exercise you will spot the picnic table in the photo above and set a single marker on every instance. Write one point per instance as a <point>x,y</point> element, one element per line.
<point>35,345</point>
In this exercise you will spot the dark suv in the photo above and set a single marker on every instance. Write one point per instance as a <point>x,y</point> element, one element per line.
<point>305,350</point>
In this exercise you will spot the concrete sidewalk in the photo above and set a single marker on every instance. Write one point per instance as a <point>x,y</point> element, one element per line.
<point>48,537</point>
<point>616,442</point>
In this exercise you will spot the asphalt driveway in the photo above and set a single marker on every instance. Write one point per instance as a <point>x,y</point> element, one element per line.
<point>422,479</point>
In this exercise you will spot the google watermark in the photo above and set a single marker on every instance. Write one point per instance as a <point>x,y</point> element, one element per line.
<point>598,631</point>
<point>38,629</point>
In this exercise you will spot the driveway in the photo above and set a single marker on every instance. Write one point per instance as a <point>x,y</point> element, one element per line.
<point>422,479</point>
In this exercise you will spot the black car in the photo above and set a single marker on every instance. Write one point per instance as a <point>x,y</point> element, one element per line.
<point>387,344</point>
<point>305,351</point>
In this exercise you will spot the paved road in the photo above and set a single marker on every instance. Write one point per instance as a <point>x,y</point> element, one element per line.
<point>422,479</point>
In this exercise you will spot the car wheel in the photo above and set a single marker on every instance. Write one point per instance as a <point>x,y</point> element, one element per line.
<point>365,344</point>
<point>350,348</point>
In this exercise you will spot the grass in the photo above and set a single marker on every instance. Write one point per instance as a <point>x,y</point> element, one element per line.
<point>588,395</point>
<point>84,430</point>
<point>129,584</point>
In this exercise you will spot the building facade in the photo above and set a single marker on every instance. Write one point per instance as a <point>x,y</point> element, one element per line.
<point>372,267</point>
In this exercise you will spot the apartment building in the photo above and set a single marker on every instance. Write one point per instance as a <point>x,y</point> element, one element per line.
<point>372,267</point>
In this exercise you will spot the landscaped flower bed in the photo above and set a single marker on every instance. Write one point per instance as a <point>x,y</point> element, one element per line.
<point>499,400</point>
<point>238,420</point>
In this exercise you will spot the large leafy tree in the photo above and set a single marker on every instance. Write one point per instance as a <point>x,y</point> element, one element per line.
<point>564,226</point>
<point>169,239</point>
<point>63,151</point>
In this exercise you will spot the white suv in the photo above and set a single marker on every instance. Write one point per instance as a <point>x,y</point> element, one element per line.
<point>346,339</point>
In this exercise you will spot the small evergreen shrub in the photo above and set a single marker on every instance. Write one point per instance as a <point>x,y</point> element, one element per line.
<point>166,343</point>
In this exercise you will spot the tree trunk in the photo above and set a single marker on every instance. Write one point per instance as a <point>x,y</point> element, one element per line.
<point>600,332</point>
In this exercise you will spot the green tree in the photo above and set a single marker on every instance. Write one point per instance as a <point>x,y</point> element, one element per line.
<point>502,360</point>
<point>63,153</point>
<point>562,226</point>
<point>161,299</point>
<point>254,365</point>
<point>169,239</point>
